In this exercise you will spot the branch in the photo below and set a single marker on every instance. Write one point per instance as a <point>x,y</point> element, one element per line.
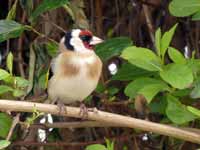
<point>77,124</point>
<point>22,106</point>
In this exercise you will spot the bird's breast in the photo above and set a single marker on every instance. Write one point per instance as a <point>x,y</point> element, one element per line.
<point>76,85</point>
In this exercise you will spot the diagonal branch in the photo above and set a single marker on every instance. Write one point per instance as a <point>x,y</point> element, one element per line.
<point>21,106</point>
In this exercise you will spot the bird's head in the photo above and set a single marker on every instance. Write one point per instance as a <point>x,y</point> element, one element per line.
<point>80,40</point>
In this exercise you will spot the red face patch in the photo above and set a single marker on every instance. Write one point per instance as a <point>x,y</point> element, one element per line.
<point>85,32</point>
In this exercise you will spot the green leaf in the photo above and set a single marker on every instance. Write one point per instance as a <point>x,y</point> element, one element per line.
<point>196,16</point>
<point>18,93</point>
<point>9,62</point>
<point>193,110</point>
<point>182,8</point>
<point>5,89</point>
<point>142,85</point>
<point>12,13</point>
<point>109,144</point>
<point>5,124</point>
<point>194,65</point>
<point>4,144</point>
<point>112,47</point>
<point>149,91</point>
<point>96,147</point>
<point>176,56</point>
<point>195,93</point>
<point>46,5</point>
<point>3,74</point>
<point>10,29</point>
<point>159,105</point>
<point>52,48</point>
<point>112,90</point>
<point>158,41</point>
<point>100,88</point>
<point>42,81</point>
<point>166,39</point>
<point>177,75</point>
<point>130,72</point>
<point>21,82</point>
<point>178,112</point>
<point>142,57</point>
<point>181,93</point>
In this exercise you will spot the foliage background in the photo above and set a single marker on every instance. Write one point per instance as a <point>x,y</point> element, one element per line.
<point>40,25</point>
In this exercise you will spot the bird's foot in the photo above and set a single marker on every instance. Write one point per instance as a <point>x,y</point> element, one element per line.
<point>83,111</point>
<point>61,107</point>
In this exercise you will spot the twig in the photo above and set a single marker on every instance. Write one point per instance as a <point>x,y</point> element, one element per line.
<point>14,123</point>
<point>31,69</point>
<point>101,116</point>
<point>77,124</point>
<point>53,24</point>
<point>149,23</point>
<point>20,50</point>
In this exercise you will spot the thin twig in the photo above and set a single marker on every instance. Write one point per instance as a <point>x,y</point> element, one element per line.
<point>70,125</point>
<point>53,24</point>
<point>14,123</point>
<point>20,50</point>
<point>149,23</point>
<point>31,69</point>
<point>22,106</point>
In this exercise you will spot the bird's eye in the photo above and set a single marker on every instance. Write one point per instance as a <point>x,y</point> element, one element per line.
<point>85,38</point>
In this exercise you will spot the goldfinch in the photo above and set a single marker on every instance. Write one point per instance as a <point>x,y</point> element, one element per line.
<point>76,69</point>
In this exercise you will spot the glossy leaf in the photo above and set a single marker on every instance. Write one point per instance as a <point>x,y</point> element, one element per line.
<point>194,65</point>
<point>182,8</point>
<point>112,47</point>
<point>46,5</point>
<point>96,147</point>
<point>21,82</point>
<point>5,124</point>
<point>196,16</point>
<point>9,62</point>
<point>159,105</point>
<point>5,89</point>
<point>3,74</point>
<point>166,39</point>
<point>149,91</point>
<point>178,112</point>
<point>158,41</point>
<point>10,29</point>
<point>112,90</point>
<point>129,72</point>
<point>52,48</point>
<point>12,12</point>
<point>176,56</point>
<point>142,57</point>
<point>4,144</point>
<point>195,93</point>
<point>100,88</point>
<point>144,86</point>
<point>18,93</point>
<point>177,75</point>
<point>193,110</point>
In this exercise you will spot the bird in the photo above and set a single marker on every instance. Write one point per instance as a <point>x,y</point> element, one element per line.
<point>76,68</point>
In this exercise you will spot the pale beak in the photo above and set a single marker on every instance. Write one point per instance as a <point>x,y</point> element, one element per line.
<point>95,40</point>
